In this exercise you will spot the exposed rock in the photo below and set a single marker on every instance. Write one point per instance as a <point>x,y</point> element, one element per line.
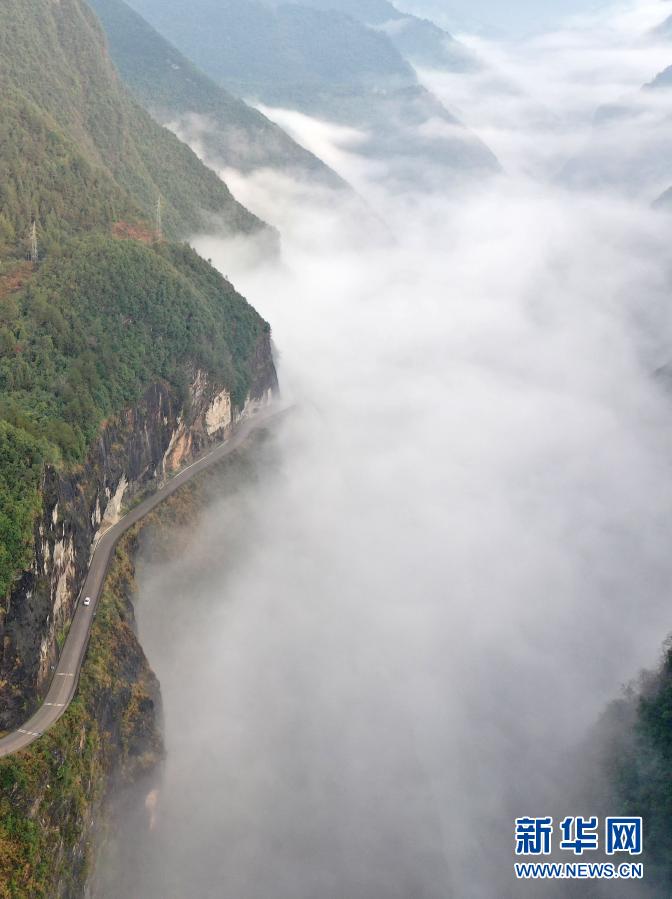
<point>113,510</point>
<point>220,413</point>
<point>109,736</point>
<point>133,453</point>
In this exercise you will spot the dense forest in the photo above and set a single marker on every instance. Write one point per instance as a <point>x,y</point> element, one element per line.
<point>636,756</point>
<point>75,150</point>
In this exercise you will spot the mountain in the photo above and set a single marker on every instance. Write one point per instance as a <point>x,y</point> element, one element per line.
<point>229,133</point>
<point>662,81</point>
<point>327,65</point>
<point>664,30</point>
<point>419,40</point>
<point>495,19</point>
<point>630,147</point>
<point>664,201</point>
<point>631,749</point>
<point>249,46</point>
<point>115,339</point>
<point>82,135</point>
<point>458,18</point>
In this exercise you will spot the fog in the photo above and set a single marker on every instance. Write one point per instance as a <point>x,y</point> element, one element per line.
<point>535,101</point>
<point>386,644</point>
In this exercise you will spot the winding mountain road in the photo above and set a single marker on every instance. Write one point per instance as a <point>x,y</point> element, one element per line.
<point>66,676</point>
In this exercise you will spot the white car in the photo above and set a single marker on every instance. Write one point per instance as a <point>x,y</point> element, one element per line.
<point>87,601</point>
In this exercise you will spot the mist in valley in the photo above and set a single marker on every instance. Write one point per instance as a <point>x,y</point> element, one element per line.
<point>393,635</point>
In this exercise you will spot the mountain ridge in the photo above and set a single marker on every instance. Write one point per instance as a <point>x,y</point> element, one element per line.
<point>174,90</point>
<point>419,40</point>
<point>70,84</point>
<point>332,67</point>
<point>640,164</point>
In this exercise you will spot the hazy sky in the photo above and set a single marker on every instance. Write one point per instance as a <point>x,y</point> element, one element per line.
<point>514,16</point>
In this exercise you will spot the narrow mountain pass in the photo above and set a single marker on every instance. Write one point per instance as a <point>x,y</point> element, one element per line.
<point>66,676</point>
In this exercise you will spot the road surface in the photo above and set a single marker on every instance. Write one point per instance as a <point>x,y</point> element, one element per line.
<point>66,676</point>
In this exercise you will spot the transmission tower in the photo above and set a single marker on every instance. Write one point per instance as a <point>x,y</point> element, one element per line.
<point>159,220</point>
<point>34,249</point>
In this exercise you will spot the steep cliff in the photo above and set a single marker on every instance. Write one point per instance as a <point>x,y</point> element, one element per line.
<point>114,341</point>
<point>52,795</point>
<point>122,355</point>
<point>134,451</point>
<point>58,798</point>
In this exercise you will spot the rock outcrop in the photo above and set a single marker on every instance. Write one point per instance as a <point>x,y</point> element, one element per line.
<point>133,453</point>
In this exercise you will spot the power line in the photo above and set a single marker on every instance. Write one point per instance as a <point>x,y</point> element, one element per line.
<point>159,220</point>
<point>34,249</point>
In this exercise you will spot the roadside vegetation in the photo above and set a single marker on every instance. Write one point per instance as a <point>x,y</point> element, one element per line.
<point>95,326</point>
<point>50,793</point>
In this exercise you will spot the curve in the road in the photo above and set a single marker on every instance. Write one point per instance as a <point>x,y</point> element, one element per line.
<point>66,676</point>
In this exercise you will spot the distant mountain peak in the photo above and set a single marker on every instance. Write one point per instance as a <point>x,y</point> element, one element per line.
<point>664,29</point>
<point>178,94</point>
<point>328,65</point>
<point>418,39</point>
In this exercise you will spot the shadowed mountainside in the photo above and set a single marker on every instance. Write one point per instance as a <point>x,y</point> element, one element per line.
<point>330,66</point>
<point>75,147</point>
<point>229,132</point>
<point>419,40</point>
<point>640,165</point>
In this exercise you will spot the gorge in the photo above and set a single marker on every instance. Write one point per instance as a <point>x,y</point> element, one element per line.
<point>345,659</point>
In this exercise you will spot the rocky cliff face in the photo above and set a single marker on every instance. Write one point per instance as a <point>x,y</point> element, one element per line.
<point>133,453</point>
<point>53,795</point>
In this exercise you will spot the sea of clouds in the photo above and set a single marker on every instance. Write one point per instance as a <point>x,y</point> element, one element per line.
<point>456,550</point>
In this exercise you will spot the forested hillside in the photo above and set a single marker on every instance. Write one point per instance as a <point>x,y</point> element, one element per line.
<point>250,46</point>
<point>636,755</point>
<point>230,133</point>
<point>328,65</point>
<point>420,41</point>
<point>109,308</point>
<point>75,150</point>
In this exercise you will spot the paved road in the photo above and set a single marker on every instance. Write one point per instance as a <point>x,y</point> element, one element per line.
<point>66,676</point>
